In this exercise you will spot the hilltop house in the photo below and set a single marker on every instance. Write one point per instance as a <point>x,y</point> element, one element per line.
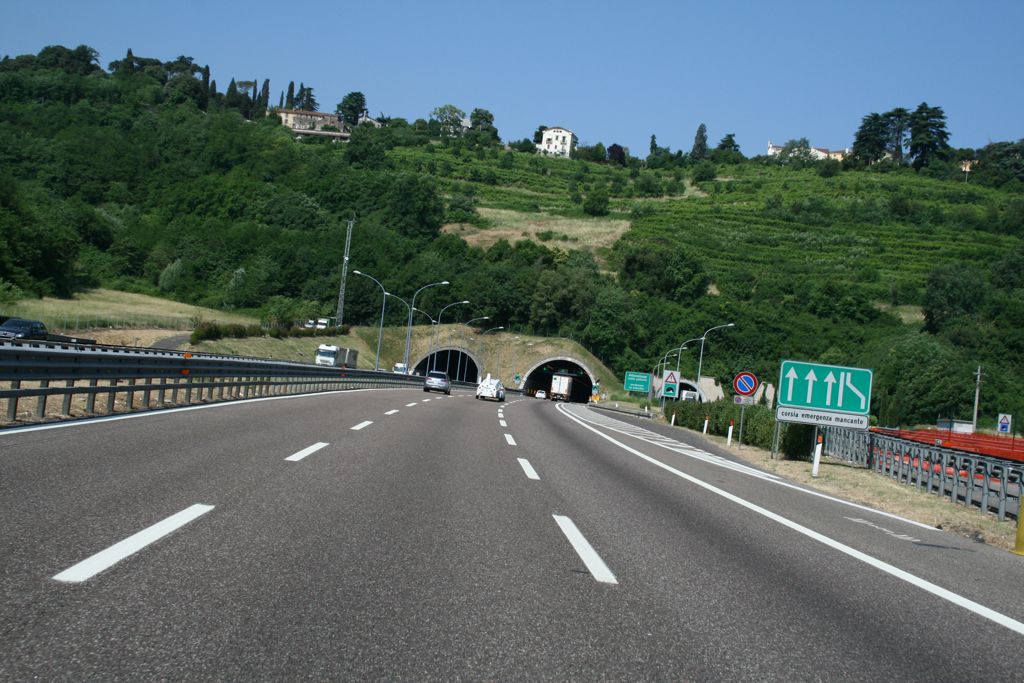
<point>818,153</point>
<point>559,142</point>
<point>314,123</point>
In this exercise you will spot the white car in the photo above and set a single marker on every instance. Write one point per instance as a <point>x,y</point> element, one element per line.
<point>491,387</point>
<point>541,394</point>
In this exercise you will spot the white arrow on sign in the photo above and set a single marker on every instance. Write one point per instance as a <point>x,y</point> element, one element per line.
<point>830,380</point>
<point>791,376</point>
<point>811,379</point>
<point>849,383</point>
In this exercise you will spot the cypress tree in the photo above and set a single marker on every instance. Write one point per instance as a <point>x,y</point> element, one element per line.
<point>700,143</point>
<point>289,101</point>
<point>265,95</point>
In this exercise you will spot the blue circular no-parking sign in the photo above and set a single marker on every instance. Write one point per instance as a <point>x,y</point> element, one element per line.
<point>745,383</point>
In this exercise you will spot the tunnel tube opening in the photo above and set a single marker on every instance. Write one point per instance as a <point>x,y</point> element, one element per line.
<point>460,366</point>
<point>539,378</point>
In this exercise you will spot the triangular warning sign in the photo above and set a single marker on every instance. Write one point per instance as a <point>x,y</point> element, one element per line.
<point>670,378</point>
<point>1004,420</point>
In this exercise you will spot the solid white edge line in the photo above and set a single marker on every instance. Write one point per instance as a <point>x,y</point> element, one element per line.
<point>503,423</point>
<point>938,591</point>
<point>391,412</point>
<point>595,565</point>
<point>295,457</point>
<point>773,479</point>
<point>528,469</point>
<point>510,440</point>
<point>105,559</point>
<point>365,423</point>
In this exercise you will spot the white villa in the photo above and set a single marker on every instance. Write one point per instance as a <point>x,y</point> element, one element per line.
<point>818,153</point>
<point>313,123</point>
<point>559,142</point>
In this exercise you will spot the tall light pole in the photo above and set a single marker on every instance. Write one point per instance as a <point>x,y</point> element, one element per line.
<point>412,307</point>
<point>702,338</point>
<point>344,272</point>
<point>380,332</point>
<point>438,328</point>
<point>458,370</point>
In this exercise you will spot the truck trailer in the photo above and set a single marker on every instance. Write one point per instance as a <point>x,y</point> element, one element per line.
<point>336,356</point>
<point>561,387</point>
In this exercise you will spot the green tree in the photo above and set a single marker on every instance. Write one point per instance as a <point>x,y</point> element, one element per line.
<point>953,290</point>
<point>289,100</point>
<point>871,141</point>
<point>538,135</point>
<point>450,119</point>
<point>929,139</point>
<point>897,123</point>
<point>596,203</point>
<point>351,107</point>
<point>699,151</point>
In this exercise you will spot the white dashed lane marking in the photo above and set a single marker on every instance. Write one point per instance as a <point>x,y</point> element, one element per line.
<point>528,468</point>
<point>510,440</point>
<point>295,457</point>
<point>361,425</point>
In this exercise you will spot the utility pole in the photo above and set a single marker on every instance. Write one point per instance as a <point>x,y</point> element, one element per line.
<point>344,271</point>
<point>977,392</point>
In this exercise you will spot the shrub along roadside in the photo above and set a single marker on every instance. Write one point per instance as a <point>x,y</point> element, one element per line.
<point>211,331</point>
<point>796,441</point>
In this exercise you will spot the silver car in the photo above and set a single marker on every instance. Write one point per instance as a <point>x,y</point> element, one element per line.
<point>437,381</point>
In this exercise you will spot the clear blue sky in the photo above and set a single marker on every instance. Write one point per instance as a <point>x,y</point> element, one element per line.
<point>611,71</point>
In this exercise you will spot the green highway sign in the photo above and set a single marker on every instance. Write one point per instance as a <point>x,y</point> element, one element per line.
<point>830,395</point>
<point>638,381</point>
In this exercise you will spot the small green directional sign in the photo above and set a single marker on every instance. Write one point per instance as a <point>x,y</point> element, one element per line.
<point>833,395</point>
<point>638,381</point>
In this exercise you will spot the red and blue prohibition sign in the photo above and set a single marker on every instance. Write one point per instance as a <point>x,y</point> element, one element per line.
<point>745,383</point>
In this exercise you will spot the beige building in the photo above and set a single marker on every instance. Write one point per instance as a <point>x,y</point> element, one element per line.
<point>557,141</point>
<point>313,123</point>
<point>817,153</point>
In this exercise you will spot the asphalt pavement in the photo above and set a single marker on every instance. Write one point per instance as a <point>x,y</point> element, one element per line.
<point>399,535</point>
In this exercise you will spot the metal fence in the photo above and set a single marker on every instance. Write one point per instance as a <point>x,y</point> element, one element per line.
<point>52,381</point>
<point>987,483</point>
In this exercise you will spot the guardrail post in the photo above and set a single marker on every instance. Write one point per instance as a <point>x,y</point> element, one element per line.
<point>131,394</point>
<point>12,402</point>
<point>147,394</point>
<point>65,408</point>
<point>41,405</point>
<point>90,400</point>
<point>1003,481</point>
<point>111,395</point>
<point>188,390</point>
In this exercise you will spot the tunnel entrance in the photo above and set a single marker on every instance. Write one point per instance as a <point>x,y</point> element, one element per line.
<point>458,363</point>
<point>540,378</point>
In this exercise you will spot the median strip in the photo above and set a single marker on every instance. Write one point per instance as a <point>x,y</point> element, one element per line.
<point>595,565</point>
<point>295,457</point>
<point>105,559</point>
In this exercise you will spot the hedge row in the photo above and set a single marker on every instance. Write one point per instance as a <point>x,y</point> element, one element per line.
<point>796,443</point>
<point>212,331</point>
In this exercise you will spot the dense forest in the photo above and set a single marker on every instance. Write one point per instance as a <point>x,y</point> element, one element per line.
<point>144,176</point>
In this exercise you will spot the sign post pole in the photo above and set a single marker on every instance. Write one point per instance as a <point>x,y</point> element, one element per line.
<point>817,456</point>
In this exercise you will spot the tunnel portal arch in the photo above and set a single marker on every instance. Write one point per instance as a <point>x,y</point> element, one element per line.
<point>539,377</point>
<point>459,362</point>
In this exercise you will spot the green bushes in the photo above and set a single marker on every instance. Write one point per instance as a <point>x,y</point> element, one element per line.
<point>796,441</point>
<point>212,331</point>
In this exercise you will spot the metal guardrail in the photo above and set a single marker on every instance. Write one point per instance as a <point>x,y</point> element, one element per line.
<point>129,379</point>
<point>990,484</point>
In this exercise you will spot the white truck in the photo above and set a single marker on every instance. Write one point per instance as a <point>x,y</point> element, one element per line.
<point>336,356</point>
<point>561,388</point>
<point>400,369</point>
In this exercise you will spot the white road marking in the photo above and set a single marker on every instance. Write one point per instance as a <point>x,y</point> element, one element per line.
<point>411,405</point>
<point>510,440</point>
<point>295,457</point>
<point>503,423</point>
<point>391,412</point>
<point>105,559</point>
<point>528,468</point>
<point>595,565</point>
<point>938,591</point>
<point>359,426</point>
<point>426,400</point>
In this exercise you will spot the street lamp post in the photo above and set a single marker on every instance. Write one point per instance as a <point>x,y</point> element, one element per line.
<point>485,332</point>
<point>458,370</point>
<point>434,358</point>
<point>412,307</point>
<point>704,336</point>
<point>380,331</point>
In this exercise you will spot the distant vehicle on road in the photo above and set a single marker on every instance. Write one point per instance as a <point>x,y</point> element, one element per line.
<point>437,381</point>
<point>19,328</point>
<point>561,387</point>
<point>400,368</point>
<point>336,356</point>
<point>541,394</point>
<point>491,387</point>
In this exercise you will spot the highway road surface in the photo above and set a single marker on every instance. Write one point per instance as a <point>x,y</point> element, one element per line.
<point>397,535</point>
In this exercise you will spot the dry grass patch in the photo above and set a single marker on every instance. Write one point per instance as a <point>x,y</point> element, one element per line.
<point>512,226</point>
